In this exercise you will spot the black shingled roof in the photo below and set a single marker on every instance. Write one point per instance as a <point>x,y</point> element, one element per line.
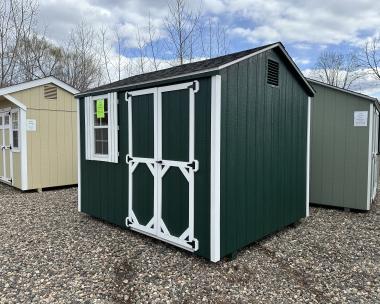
<point>180,70</point>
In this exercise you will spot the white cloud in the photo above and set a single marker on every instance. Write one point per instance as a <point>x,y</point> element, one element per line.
<point>306,21</point>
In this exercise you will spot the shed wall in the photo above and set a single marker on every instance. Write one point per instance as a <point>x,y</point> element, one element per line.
<point>263,152</point>
<point>104,186</point>
<point>339,151</point>
<point>52,148</point>
<point>16,157</point>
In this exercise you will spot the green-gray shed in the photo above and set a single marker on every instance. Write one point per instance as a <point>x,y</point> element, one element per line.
<point>344,147</point>
<point>208,156</point>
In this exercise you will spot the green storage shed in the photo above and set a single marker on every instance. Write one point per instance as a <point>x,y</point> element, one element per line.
<point>209,156</point>
<point>344,147</point>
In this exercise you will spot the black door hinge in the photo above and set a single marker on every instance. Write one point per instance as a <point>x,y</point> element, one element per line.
<point>192,244</point>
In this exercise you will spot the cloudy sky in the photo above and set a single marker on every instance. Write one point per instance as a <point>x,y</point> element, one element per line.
<point>306,27</point>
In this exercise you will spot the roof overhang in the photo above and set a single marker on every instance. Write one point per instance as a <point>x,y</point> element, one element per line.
<point>216,70</point>
<point>370,98</point>
<point>15,101</point>
<point>36,83</point>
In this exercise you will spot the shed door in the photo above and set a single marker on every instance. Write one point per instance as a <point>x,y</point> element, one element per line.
<point>142,161</point>
<point>167,128</point>
<point>5,145</point>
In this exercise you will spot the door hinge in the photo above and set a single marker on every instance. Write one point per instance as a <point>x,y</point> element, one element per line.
<point>128,159</point>
<point>192,86</point>
<point>193,165</point>
<point>192,244</point>
<point>128,222</point>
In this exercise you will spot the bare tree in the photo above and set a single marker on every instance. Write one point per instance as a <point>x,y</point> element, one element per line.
<point>105,50</point>
<point>37,57</point>
<point>372,56</point>
<point>17,19</point>
<point>153,36</point>
<point>82,68</point>
<point>180,25</point>
<point>119,55</point>
<point>141,49</point>
<point>214,39</point>
<point>338,69</point>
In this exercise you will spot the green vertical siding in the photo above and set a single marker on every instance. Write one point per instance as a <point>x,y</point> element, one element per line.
<point>263,152</point>
<point>104,186</point>
<point>339,151</point>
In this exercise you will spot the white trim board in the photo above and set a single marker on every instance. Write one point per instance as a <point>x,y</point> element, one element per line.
<point>23,151</point>
<point>15,101</point>
<point>37,83</point>
<point>215,168</point>
<point>369,169</point>
<point>308,157</point>
<point>78,156</point>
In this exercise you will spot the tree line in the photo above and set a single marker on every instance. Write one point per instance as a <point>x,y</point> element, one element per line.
<point>345,69</point>
<point>91,57</point>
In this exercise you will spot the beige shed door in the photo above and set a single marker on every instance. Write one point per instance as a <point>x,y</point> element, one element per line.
<point>5,147</point>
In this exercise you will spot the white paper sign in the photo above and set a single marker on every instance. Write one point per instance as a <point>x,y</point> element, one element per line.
<point>360,118</point>
<point>31,125</point>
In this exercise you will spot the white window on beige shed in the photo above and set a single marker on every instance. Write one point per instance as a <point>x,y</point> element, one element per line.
<point>101,128</point>
<point>15,117</point>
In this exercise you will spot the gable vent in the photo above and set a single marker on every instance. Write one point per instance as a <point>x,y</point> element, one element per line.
<point>273,72</point>
<point>50,91</point>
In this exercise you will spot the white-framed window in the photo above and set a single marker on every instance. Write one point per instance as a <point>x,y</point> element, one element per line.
<point>15,119</point>
<point>101,127</point>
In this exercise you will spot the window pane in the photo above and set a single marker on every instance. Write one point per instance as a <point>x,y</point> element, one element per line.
<point>1,120</point>
<point>101,134</point>
<point>15,120</point>
<point>6,120</point>
<point>105,147</point>
<point>101,141</point>
<point>15,139</point>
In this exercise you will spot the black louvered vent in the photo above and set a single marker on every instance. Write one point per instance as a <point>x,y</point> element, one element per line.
<point>50,91</point>
<point>273,73</point>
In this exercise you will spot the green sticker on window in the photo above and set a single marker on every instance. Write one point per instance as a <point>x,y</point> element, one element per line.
<point>100,108</point>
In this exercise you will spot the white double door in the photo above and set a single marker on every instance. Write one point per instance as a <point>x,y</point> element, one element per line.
<point>5,147</point>
<point>162,163</point>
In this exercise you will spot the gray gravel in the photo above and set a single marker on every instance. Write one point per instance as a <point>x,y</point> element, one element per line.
<point>51,253</point>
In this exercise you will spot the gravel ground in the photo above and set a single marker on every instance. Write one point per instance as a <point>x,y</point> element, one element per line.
<point>51,253</point>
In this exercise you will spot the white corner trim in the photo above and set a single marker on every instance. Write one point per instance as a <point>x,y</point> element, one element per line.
<point>215,168</point>
<point>78,156</point>
<point>15,102</point>
<point>23,151</point>
<point>370,155</point>
<point>308,157</point>
<point>37,83</point>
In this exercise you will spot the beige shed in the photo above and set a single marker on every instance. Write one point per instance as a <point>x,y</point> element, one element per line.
<point>38,134</point>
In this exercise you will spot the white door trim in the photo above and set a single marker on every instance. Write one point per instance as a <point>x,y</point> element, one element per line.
<point>215,168</point>
<point>370,139</point>
<point>308,157</point>
<point>78,154</point>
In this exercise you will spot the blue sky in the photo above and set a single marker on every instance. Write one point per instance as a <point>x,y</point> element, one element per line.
<point>305,27</point>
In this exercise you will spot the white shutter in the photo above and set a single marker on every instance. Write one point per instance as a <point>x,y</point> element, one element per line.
<point>113,149</point>
<point>87,117</point>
